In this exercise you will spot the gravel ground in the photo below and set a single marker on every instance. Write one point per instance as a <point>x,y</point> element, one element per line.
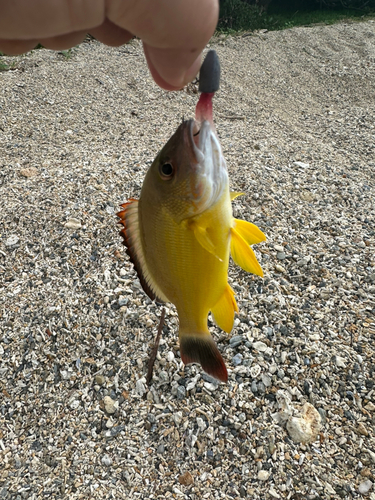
<point>296,117</point>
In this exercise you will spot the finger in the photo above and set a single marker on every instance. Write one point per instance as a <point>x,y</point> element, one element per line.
<point>111,34</point>
<point>170,63</point>
<point>16,47</point>
<point>182,29</point>
<point>25,19</point>
<point>63,42</point>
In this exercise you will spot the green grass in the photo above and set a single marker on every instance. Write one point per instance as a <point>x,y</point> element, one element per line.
<point>236,15</point>
<point>68,54</point>
<point>4,66</point>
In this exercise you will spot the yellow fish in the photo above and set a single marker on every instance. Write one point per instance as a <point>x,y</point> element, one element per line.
<point>180,233</point>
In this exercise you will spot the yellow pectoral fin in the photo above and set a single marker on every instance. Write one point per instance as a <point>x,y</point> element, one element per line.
<point>243,255</point>
<point>223,312</point>
<point>234,194</point>
<point>249,232</point>
<point>203,238</point>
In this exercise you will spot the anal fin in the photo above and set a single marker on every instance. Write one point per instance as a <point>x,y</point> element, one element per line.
<point>223,312</point>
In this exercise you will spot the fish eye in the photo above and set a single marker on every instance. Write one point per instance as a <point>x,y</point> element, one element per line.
<point>166,170</point>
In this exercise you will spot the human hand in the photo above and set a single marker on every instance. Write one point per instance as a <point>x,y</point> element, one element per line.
<point>173,33</point>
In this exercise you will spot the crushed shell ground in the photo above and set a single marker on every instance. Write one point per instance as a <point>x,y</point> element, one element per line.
<point>296,118</point>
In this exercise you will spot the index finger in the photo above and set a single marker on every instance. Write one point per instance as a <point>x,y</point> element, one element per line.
<point>173,33</point>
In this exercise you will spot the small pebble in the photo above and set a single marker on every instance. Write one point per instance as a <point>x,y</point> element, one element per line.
<point>106,460</point>
<point>181,392</point>
<point>237,359</point>
<point>73,224</point>
<point>261,388</point>
<point>110,405</point>
<point>12,240</point>
<point>361,429</point>
<point>177,417</point>
<point>266,380</point>
<point>122,301</point>
<point>340,362</point>
<point>170,356</point>
<point>210,386</point>
<point>186,479</point>
<point>365,487</point>
<point>260,346</point>
<point>236,340</point>
<point>29,172</point>
<point>255,371</point>
<point>99,379</point>
<point>140,387</point>
<point>263,475</point>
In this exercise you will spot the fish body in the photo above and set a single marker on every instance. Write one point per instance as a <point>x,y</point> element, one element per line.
<point>180,234</point>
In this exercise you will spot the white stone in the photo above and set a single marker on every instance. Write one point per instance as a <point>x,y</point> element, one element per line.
<point>73,223</point>
<point>12,240</point>
<point>280,269</point>
<point>314,336</point>
<point>304,429</point>
<point>110,405</point>
<point>210,387</point>
<point>201,424</point>
<point>273,493</point>
<point>301,164</point>
<point>260,346</point>
<point>140,387</point>
<point>263,475</point>
<point>106,460</point>
<point>177,417</point>
<point>170,356</point>
<point>340,362</point>
<point>266,379</point>
<point>365,487</point>
<point>255,371</point>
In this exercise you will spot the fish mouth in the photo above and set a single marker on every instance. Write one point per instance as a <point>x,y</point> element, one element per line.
<point>209,171</point>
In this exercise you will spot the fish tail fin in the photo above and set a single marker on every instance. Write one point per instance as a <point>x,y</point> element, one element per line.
<point>202,349</point>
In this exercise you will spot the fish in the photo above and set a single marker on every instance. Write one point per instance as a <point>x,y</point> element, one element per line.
<point>181,232</point>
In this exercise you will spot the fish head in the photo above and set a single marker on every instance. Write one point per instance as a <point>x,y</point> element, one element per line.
<point>189,174</point>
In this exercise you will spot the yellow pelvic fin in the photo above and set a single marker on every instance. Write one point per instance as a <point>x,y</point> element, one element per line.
<point>203,238</point>
<point>249,232</point>
<point>243,255</point>
<point>234,194</point>
<point>223,312</point>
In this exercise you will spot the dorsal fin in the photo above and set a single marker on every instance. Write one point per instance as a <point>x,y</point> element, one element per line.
<point>234,194</point>
<point>132,241</point>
